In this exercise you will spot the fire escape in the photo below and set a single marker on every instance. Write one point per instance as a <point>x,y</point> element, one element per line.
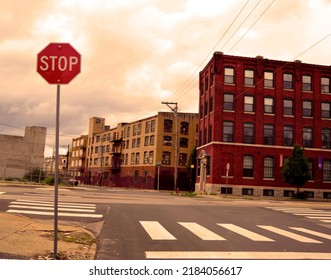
<point>116,155</point>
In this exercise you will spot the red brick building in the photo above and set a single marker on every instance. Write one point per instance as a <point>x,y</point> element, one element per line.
<point>252,112</point>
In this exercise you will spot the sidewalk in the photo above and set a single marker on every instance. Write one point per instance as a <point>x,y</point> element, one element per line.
<point>24,238</point>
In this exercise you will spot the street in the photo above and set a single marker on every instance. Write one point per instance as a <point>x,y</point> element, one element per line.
<point>144,224</point>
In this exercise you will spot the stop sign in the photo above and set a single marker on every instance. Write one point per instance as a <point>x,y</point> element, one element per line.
<point>58,63</point>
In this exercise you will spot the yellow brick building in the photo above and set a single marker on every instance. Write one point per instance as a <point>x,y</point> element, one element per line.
<point>141,154</point>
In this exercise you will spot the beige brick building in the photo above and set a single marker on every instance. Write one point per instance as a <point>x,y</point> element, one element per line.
<point>20,154</point>
<point>141,154</point>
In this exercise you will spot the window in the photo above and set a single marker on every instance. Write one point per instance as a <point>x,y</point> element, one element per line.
<point>248,133</point>
<point>327,195</point>
<point>138,142</point>
<point>134,130</point>
<point>137,158</point>
<point>306,83</point>
<point>248,103</point>
<point>211,104</point>
<point>247,191</point>
<point>249,77</point>
<point>228,75</point>
<point>268,192</point>
<point>288,107</point>
<point>166,158</point>
<point>183,142</point>
<point>307,137</point>
<point>184,127</point>
<point>326,138</point>
<point>288,81</point>
<point>268,79</point>
<point>167,140</point>
<point>326,112</point>
<point>146,141</point>
<point>151,157</point>
<point>307,108</point>
<point>268,167</point>
<point>145,157</point>
<point>327,170</point>
<point>288,193</point>
<point>288,135</point>
<point>269,105</point>
<point>147,127</point>
<point>228,101</point>
<point>151,140</point>
<point>167,125</point>
<point>325,85</point>
<point>133,143</point>
<point>182,159</point>
<point>206,108</point>
<point>228,131</point>
<point>268,134</point>
<point>152,125</point>
<point>133,157</point>
<point>226,190</point>
<point>248,162</point>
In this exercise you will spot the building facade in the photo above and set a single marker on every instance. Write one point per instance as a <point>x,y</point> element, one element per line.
<point>141,154</point>
<point>20,154</point>
<point>77,156</point>
<point>251,113</point>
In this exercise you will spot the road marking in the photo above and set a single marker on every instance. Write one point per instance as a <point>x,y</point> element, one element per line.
<point>60,214</point>
<point>237,255</point>
<point>2,192</point>
<point>326,221</point>
<point>246,233</point>
<point>51,204</point>
<point>156,231</point>
<point>319,217</point>
<point>201,232</point>
<point>69,204</point>
<point>50,208</point>
<point>289,234</point>
<point>320,234</point>
<point>314,214</point>
<point>64,209</point>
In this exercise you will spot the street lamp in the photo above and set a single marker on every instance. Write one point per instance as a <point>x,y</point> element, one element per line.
<point>175,111</point>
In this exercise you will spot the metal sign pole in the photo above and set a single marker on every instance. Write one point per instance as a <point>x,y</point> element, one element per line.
<point>56,177</point>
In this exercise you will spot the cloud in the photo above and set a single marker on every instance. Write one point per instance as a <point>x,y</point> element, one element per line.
<point>136,54</point>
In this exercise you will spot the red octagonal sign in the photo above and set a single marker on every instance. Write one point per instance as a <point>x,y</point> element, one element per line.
<point>58,63</point>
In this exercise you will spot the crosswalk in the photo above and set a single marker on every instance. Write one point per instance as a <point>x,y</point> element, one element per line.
<point>316,214</point>
<point>46,208</point>
<point>156,231</point>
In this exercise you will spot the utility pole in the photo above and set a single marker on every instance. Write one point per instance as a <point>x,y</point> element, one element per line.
<point>173,107</point>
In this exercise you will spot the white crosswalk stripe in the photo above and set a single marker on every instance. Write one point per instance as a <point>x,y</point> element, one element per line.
<point>318,214</point>
<point>201,232</point>
<point>46,208</point>
<point>289,234</point>
<point>158,232</point>
<point>2,192</point>
<point>246,233</point>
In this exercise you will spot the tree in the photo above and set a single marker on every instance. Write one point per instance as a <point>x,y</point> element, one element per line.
<point>296,169</point>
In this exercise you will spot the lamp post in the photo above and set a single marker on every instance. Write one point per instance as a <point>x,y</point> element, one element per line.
<point>175,111</point>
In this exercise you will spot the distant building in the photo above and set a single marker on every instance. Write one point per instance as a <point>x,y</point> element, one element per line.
<point>252,112</point>
<point>49,166</point>
<point>77,157</point>
<point>141,154</point>
<point>20,154</point>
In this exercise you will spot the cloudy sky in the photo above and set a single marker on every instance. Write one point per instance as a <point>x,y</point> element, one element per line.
<point>138,53</point>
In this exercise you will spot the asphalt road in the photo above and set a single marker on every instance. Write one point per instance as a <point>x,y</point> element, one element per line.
<point>138,224</point>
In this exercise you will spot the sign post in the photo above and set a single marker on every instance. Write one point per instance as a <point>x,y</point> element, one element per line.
<point>58,63</point>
